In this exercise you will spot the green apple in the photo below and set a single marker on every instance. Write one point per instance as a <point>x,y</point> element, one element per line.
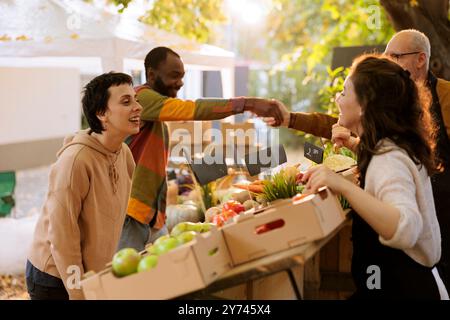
<point>197,227</point>
<point>166,245</point>
<point>147,263</point>
<point>207,227</point>
<point>162,238</point>
<point>125,262</point>
<point>186,236</point>
<point>179,229</point>
<point>151,249</point>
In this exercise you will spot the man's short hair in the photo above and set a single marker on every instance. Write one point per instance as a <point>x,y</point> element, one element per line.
<point>96,96</point>
<point>419,42</point>
<point>156,56</point>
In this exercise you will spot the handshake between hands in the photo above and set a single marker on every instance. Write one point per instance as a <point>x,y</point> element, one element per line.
<point>273,112</point>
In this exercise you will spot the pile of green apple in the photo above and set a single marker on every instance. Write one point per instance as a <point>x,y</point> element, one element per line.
<point>128,260</point>
<point>182,233</point>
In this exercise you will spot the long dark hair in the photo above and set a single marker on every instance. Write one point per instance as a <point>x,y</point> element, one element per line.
<point>394,107</point>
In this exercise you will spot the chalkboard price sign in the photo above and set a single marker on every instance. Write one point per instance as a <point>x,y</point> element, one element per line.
<point>313,152</point>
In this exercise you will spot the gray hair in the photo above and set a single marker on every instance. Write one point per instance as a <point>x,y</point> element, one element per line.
<point>419,42</point>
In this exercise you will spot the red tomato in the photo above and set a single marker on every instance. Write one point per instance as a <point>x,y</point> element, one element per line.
<point>218,220</point>
<point>227,214</point>
<point>298,178</point>
<point>233,205</point>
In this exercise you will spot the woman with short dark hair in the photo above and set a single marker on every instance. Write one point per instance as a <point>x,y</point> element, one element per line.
<point>82,217</point>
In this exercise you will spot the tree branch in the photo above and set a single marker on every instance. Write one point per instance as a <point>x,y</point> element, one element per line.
<point>399,13</point>
<point>437,9</point>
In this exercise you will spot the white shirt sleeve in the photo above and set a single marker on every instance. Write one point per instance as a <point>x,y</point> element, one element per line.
<point>390,179</point>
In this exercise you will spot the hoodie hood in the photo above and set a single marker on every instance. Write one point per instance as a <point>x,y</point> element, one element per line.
<point>84,138</point>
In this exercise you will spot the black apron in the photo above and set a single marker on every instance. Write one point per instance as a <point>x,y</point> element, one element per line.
<point>400,276</point>
<point>441,184</point>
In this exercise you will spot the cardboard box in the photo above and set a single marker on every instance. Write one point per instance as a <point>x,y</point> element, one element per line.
<point>305,220</point>
<point>351,174</point>
<point>180,271</point>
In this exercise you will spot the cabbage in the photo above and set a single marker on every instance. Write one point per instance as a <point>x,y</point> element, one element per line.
<point>338,162</point>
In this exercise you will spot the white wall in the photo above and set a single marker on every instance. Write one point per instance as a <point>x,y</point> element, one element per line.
<point>38,103</point>
<point>86,65</point>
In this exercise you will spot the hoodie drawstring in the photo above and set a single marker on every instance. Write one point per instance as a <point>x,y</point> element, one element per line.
<point>113,175</point>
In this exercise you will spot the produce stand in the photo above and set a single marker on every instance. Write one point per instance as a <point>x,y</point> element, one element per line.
<point>283,261</point>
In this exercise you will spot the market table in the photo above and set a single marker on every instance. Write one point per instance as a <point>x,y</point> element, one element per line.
<point>282,261</point>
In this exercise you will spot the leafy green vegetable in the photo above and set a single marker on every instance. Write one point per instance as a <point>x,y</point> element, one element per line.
<point>344,202</point>
<point>280,186</point>
<point>329,151</point>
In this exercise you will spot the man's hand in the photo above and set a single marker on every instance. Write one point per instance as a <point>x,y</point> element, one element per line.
<point>270,121</point>
<point>266,109</point>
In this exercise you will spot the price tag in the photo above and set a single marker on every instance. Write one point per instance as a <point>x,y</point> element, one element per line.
<point>313,152</point>
<point>205,173</point>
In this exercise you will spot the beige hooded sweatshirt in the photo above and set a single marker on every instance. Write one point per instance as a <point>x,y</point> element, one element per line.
<point>83,214</point>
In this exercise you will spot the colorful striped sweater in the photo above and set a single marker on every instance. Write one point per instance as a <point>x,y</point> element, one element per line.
<point>150,147</point>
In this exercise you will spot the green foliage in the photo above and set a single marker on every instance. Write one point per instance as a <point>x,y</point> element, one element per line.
<point>192,19</point>
<point>122,4</point>
<point>307,31</point>
<point>301,35</point>
<point>334,84</point>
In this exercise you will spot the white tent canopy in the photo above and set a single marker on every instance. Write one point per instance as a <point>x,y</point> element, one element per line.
<point>58,28</point>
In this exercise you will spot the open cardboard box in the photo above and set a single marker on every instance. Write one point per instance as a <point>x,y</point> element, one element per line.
<point>185,269</point>
<point>350,174</point>
<point>305,220</point>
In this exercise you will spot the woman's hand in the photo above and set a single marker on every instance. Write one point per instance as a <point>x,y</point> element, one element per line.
<point>342,137</point>
<point>319,176</point>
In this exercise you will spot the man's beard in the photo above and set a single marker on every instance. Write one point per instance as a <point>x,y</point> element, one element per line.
<point>162,89</point>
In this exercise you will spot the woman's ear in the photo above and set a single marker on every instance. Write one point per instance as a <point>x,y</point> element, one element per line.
<point>103,119</point>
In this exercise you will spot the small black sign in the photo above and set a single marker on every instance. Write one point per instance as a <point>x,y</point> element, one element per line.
<point>205,173</point>
<point>265,159</point>
<point>313,152</point>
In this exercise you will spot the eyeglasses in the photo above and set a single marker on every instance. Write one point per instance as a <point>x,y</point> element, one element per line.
<point>397,56</point>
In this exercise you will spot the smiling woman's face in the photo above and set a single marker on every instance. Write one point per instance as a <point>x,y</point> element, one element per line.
<point>123,112</point>
<point>349,108</point>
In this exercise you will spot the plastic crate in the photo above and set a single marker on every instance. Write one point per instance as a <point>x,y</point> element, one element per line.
<point>7,186</point>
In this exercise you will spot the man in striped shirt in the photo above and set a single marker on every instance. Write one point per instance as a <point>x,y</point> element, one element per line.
<point>147,203</point>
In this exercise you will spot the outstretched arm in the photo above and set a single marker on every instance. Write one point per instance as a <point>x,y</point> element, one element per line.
<point>161,108</point>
